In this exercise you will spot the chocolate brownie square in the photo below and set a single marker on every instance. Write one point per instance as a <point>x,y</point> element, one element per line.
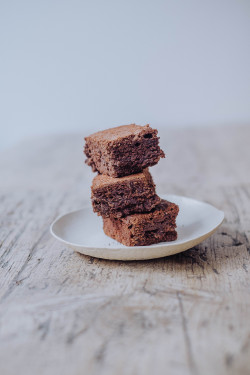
<point>117,197</point>
<point>145,228</point>
<point>123,150</point>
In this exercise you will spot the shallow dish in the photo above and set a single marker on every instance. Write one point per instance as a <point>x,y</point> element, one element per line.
<point>82,231</point>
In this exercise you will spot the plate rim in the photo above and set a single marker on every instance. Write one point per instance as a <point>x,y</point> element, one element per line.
<point>132,248</point>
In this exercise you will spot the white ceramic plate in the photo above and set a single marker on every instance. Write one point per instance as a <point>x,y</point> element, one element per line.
<point>82,231</point>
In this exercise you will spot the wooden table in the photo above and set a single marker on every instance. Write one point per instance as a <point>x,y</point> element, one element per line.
<point>65,313</point>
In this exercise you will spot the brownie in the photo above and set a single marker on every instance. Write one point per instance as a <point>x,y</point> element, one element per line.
<point>121,196</point>
<point>144,228</point>
<point>123,150</point>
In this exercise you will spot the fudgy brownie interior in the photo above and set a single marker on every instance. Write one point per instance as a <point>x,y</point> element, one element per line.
<point>144,228</point>
<point>123,150</point>
<point>123,196</point>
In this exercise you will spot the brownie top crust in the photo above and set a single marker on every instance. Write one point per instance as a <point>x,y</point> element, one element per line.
<point>102,180</point>
<point>120,132</point>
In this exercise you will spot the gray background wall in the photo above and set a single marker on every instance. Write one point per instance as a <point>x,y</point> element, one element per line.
<point>86,65</point>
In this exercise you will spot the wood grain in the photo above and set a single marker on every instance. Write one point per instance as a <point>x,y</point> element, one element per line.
<point>65,313</point>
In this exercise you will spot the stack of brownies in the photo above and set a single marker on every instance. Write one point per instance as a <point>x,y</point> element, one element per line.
<point>123,192</point>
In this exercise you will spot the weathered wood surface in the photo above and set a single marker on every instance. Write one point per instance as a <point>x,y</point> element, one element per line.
<point>65,313</point>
